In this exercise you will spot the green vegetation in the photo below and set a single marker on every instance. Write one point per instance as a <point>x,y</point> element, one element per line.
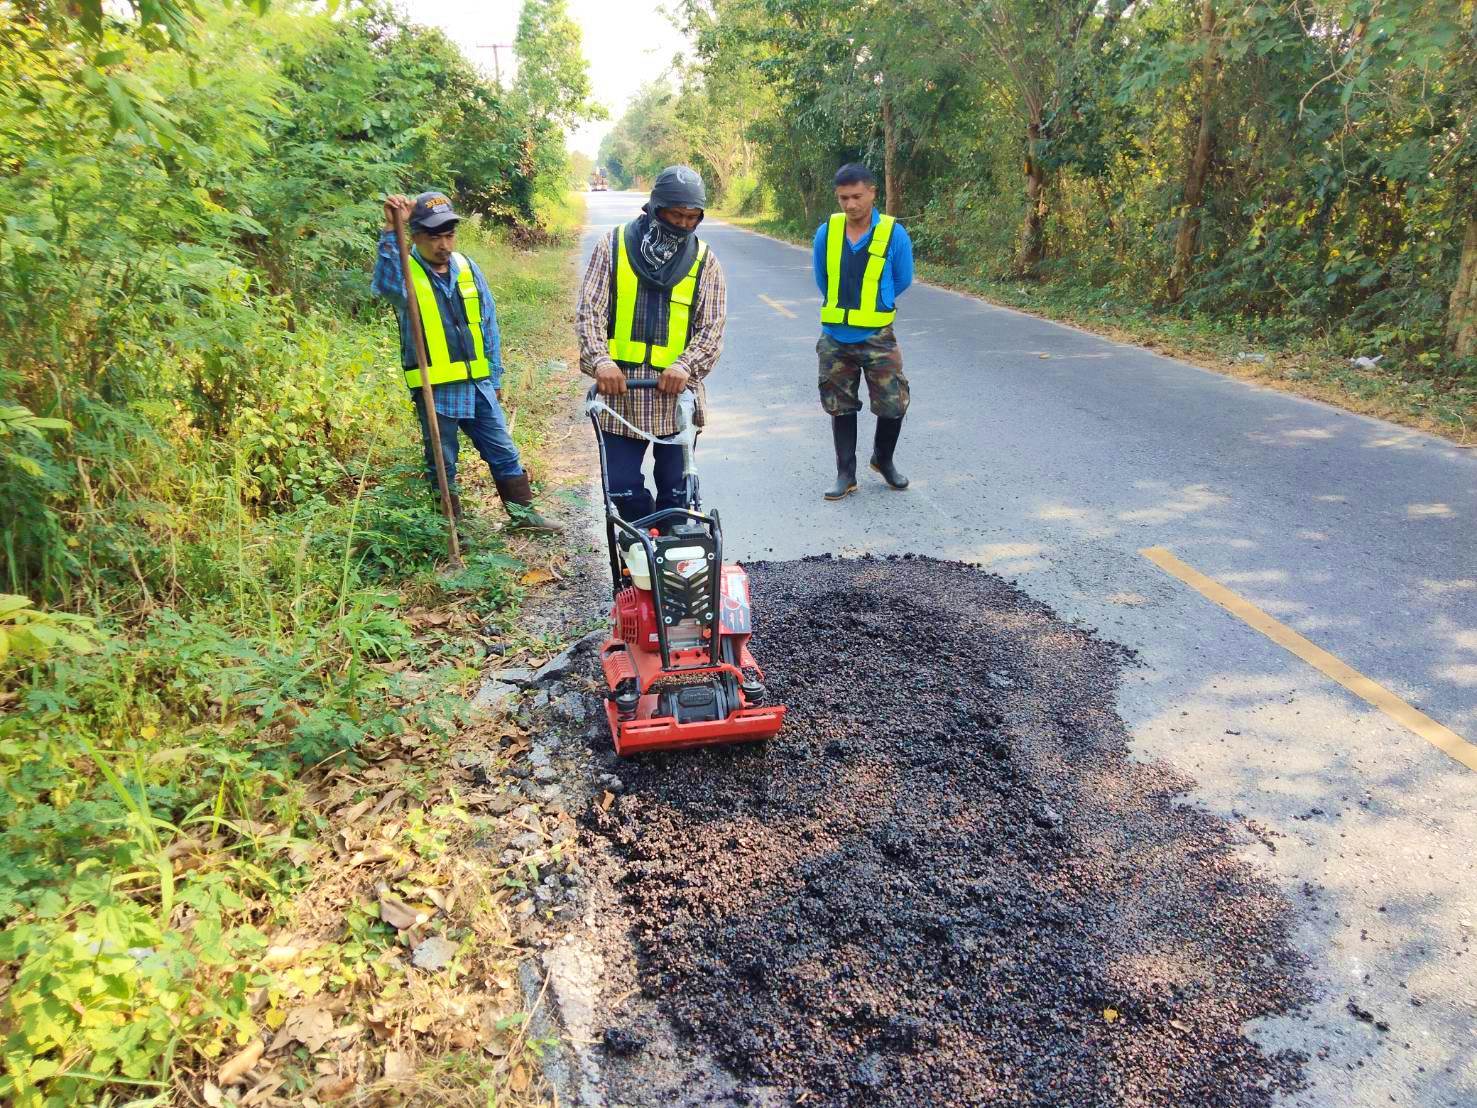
<point>217,555</point>
<point>1296,177</point>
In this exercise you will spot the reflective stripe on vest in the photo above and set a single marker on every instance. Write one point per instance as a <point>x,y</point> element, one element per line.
<point>440,368</point>
<point>868,312</point>
<point>623,344</point>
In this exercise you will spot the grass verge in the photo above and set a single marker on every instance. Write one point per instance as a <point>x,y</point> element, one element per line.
<point>1403,391</point>
<point>236,866</point>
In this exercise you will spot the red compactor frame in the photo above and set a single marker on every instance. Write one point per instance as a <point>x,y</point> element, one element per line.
<point>677,666</point>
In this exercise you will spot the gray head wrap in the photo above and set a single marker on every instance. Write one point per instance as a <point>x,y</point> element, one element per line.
<point>677,186</point>
<point>661,253</point>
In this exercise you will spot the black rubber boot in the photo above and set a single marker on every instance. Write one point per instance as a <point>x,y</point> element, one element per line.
<point>843,433</point>
<point>882,447</point>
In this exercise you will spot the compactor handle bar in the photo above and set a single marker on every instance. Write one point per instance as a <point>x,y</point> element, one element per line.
<point>685,436</point>
<point>636,383</point>
<point>686,411</point>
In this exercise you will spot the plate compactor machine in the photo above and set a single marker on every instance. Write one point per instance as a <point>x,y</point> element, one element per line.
<point>677,665</point>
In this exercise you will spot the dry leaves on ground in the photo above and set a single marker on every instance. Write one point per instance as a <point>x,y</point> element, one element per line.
<point>351,1008</point>
<point>309,1024</point>
<point>404,946</point>
<point>235,1069</point>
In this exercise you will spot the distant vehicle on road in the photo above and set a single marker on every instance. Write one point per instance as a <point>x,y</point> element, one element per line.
<point>598,181</point>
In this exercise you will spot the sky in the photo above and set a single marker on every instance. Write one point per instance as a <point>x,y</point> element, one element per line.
<point>627,42</point>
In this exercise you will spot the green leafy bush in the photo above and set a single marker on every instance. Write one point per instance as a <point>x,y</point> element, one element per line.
<point>212,492</point>
<point>29,634</point>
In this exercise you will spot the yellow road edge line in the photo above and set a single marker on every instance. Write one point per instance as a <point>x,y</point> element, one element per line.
<point>784,311</point>
<point>1440,736</point>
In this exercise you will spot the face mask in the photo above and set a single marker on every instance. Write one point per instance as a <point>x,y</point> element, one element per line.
<point>661,242</point>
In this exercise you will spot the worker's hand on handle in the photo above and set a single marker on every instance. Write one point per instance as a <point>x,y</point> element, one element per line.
<point>397,203</point>
<point>672,381</point>
<point>610,381</point>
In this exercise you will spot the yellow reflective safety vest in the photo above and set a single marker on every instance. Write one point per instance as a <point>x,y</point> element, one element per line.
<point>867,312</point>
<point>440,368</point>
<point>624,347</point>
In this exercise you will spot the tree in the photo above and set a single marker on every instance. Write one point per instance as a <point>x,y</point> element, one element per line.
<point>647,137</point>
<point>1302,167</point>
<point>551,93</point>
<point>1461,326</point>
<point>1188,236</point>
<point>553,83</point>
<point>581,166</point>
<point>722,97</point>
<point>1404,74</point>
<point>916,91</point>
<point>1035,49</point>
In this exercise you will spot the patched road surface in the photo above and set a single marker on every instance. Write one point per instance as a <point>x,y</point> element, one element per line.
<point>1055,458</point>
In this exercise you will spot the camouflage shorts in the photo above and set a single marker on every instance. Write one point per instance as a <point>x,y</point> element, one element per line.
<point>842,365</point>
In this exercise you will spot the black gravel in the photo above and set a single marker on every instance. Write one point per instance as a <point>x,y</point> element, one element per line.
<point>945,882</point>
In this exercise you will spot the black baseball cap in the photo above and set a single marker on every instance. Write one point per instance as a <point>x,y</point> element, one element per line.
<point>432,212</point>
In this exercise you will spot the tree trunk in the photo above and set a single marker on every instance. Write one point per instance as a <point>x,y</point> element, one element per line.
<point>1188,237</point>
<point>892,198</point>
<point>1033,232</point>
<point>810,198</point>
<point>1461,325</point>
<point>1107,205</point>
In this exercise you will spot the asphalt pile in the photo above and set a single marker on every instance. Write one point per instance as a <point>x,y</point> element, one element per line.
<point>945,882</point>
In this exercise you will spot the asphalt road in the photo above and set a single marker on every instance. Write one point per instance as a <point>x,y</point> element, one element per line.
<point>1054,457</point>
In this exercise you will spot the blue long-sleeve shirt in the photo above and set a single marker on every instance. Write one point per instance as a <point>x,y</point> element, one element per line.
<point>454,399</point>
<point>897,275</point>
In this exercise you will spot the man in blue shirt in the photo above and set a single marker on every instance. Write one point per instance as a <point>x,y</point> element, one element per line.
<point>863,261</point>
<point>463,349</point>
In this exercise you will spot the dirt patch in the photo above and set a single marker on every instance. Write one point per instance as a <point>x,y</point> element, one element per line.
<point>944,883</point>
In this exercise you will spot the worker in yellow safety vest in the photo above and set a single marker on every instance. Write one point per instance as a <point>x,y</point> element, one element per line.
<point>652,304</point>
<point>863,261</point>
<point>463,350</point>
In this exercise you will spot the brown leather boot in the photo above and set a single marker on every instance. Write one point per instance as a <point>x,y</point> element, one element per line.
<point>517,498</point>
<point>456,504</point>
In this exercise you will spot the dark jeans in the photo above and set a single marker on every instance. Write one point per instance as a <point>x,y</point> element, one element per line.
<point>488,431</point>
<point>627,489</point>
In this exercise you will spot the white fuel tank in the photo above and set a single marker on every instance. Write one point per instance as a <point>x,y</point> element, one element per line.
<point>635,559</point>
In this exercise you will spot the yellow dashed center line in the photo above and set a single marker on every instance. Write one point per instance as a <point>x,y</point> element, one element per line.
<point>1443,738</point>
<point>777,306</point>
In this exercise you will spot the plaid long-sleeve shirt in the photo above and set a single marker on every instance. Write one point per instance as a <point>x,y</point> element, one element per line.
<point>648,409</point>
<point>453,399</point>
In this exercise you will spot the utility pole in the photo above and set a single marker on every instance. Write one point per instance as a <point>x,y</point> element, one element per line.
<point>497,67</point>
